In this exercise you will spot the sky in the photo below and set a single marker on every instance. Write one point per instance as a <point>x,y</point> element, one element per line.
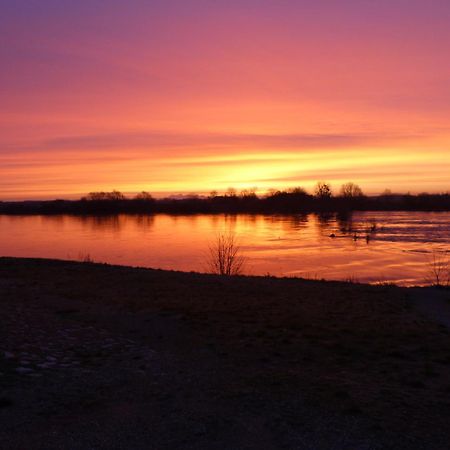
<point>189,96</point>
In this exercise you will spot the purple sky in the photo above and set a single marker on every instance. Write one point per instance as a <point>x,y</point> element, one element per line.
<point>188,96</point>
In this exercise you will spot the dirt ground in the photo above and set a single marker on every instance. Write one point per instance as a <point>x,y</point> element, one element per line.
<point>102,357</point>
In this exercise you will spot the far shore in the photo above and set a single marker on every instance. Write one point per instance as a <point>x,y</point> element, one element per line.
<point>293,201</point>
<point>100,356</point>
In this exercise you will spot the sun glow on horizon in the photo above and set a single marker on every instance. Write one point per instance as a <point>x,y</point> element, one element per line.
<point>156,97</point>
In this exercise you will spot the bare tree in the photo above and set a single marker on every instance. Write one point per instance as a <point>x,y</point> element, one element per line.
<point>144,196</point>
<point>231,192</point>
<point>248,193</point>
<point>225,255</point>
<point>298,190</point>
<point>323,190</point>
<point>105,196</point>
<point>351,190</point>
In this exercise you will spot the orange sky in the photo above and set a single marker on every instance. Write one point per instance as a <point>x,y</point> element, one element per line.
<point>191,96</point>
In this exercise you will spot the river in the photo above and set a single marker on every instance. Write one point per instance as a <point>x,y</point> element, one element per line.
<point>375,247</point>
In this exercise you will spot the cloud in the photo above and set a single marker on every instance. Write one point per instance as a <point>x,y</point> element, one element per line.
<point>158,143</point>
<point>375,172</point>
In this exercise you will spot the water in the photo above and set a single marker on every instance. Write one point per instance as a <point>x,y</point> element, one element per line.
<point>367,247</point>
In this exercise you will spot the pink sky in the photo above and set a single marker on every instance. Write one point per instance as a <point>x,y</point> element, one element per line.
<point>192,96</point>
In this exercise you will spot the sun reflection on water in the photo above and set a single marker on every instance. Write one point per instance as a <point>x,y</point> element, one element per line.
<point>371,247</point>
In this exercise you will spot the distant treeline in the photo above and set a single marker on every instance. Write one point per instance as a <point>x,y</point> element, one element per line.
<point>296,200</point>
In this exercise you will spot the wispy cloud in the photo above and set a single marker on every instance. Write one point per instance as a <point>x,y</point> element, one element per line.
<point>375,172</point>
<point>195,143</point>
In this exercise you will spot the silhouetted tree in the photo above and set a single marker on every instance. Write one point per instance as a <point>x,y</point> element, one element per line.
<point>294,200</point>
<point>351,190</point>
<point>231,192</point>
<point>299,191</point>
<point>248,193</point>
<point>144,196</point>
<point>105,196</point>
<point>271,192</point>
<point>323,190</point>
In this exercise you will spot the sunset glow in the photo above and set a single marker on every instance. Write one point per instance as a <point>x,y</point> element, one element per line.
<point>190,96</point>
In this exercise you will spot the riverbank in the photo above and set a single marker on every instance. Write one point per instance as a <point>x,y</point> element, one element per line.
<point>98,356</point>
<point>295,201</point>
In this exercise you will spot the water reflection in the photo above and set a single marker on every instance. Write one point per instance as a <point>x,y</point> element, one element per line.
<point>324,220</point>
<point>369,247</point>
<point>344,222</point>
<point>115,223</point>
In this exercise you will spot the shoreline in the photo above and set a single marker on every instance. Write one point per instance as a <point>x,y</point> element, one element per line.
<point>186,360</point>
<point>280,202</point>
<point>387,249</point>
<point>299,212</point>
<point>349,280</point>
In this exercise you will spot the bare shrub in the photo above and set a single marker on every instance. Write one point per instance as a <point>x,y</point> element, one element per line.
<point>85,258</point>
<point>352,279</point>
<point>225,255</point>
<point>439,268</point>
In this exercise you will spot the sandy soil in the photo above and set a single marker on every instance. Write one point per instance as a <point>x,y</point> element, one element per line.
<point>96,357</point>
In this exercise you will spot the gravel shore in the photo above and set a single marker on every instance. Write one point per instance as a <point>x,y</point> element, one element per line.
<point>104,357</point>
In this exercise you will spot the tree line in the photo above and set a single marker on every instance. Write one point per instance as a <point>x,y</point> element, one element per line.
<point>350,197</point>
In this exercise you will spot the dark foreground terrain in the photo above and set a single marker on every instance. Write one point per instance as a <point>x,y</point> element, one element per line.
<point>101,357</point>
